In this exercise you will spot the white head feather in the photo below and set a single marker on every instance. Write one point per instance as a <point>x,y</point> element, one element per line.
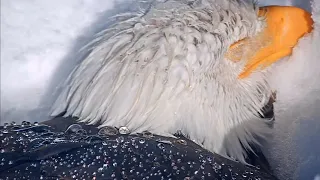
<point>163,70</point>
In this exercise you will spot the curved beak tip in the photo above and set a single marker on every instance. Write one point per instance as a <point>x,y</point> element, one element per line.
<point>284,27</point>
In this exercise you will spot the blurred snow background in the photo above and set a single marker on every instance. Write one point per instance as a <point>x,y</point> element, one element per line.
<point>39,45</point>
<point>36,37</point>
<point>295,151</point>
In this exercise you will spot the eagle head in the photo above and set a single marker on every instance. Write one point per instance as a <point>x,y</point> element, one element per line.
<point>199,67</point>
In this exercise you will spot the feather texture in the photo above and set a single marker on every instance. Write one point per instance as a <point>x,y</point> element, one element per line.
<point>163,69</point>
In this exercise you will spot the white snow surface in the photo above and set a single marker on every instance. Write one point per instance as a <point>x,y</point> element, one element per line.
<point>36,36</point>
<point>296,147</point>
<point>39,40</point>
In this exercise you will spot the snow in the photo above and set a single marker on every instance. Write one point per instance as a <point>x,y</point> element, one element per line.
<point>36,36</point>
<point>305,4</point>
<point>296,147</point>
<point>40,42</point>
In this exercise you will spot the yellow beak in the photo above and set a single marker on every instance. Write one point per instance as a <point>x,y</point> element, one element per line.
<point>284,27</point>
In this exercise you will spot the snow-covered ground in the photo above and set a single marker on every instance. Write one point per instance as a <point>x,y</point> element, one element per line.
<point>39,46</point>
<point>36,37</point>
<point>296,148</point>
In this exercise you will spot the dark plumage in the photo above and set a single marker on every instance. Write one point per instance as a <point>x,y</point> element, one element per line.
<point>61,149</point>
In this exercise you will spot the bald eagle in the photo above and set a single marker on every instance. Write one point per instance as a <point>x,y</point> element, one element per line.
<point>198,67</point>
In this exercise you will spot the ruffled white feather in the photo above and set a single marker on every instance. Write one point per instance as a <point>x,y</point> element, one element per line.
<point>162,69</point>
